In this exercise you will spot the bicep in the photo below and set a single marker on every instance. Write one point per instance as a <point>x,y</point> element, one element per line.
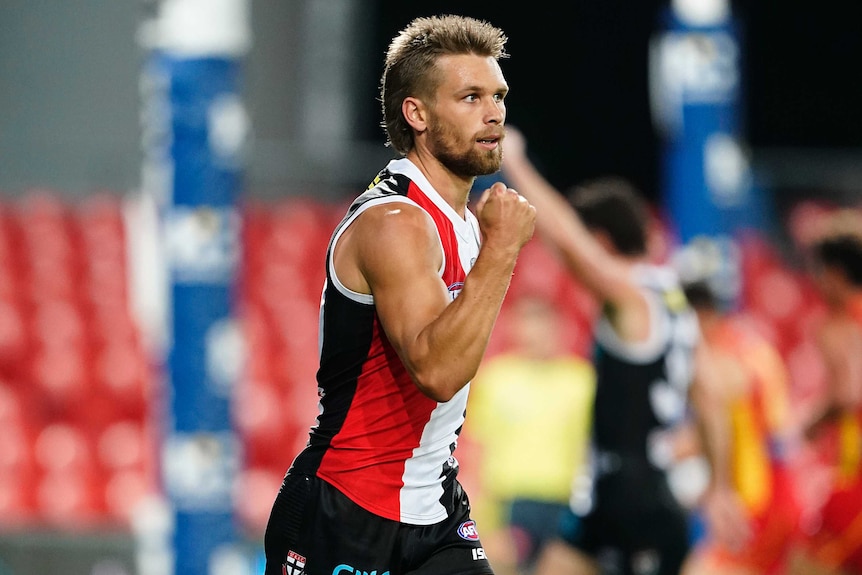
<point>716,380</point>
<point>402,268</point>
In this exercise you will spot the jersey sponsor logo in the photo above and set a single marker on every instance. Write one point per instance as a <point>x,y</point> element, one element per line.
<point>467,530</point>
<point>479,553</point>
<point>347,569</point>
<point>295,564</point>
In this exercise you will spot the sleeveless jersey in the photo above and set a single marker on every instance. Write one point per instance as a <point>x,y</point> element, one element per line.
<point>378,439</point>
<point>758,410</point>
<point>759,414</point>
<point>642,388</point>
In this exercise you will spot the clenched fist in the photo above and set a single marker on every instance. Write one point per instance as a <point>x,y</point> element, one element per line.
<point>506,218</point>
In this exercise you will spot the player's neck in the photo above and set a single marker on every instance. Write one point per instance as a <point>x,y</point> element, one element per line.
<point>453,188</point>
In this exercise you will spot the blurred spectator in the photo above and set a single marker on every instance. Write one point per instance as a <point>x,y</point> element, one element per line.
<point>835,257</point>
<point>529,417</point>
<point>750,507</point>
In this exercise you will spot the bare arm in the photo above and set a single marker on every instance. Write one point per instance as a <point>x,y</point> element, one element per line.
<point>838,345</point>
<point>605,275</point>
<point>716,374</point>
<point>711,403</point>
<point>393,253</point>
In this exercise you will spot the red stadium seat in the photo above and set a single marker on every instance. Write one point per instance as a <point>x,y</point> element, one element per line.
<point>13,336</point>
<point>124,490</point>
<point>71,499</point>
<point>67,490</point>
<point>122,445</point>
<point>17,499</point>
<point>63,447</point>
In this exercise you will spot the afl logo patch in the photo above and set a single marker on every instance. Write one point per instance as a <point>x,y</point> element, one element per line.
<point>467,530</point>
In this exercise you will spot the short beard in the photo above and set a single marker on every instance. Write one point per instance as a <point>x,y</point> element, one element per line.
<point>465,165</point>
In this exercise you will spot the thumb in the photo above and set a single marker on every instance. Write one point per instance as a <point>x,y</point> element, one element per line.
<point>483,199</point>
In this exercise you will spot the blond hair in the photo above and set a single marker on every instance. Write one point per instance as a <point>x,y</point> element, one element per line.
<point>410,65</point>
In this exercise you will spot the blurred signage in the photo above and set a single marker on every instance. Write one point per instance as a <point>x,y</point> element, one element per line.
<point>195,131</point>
<point>696,92</point>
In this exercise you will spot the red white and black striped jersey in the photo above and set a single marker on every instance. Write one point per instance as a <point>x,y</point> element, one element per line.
<point>377,437</point>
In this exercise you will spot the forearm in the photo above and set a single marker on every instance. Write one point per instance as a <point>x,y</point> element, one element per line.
<point>714,431</point>
<point>715,438</point>
<point>556,220</point>
<point>455,342</point>
<point>562,229</point>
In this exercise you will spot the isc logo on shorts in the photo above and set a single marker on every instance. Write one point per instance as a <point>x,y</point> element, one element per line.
<point>467,530</point>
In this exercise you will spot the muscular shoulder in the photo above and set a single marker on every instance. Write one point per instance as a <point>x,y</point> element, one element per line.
<point>396,231</point>
<point>393,226</point>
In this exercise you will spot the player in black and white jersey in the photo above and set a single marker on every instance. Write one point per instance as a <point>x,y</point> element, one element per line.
<point>625,519</point>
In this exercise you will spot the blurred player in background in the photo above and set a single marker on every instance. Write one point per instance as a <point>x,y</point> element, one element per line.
<point>750,506</point>
<point>529,412</point>
<point>835,547</point>
<point>623,518</point>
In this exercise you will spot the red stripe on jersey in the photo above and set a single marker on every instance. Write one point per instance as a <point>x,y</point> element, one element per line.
<point>388,415</point>
<point>453,273</point>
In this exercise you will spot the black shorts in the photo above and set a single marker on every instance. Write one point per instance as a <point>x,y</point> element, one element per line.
<point>314,529</point>
<point>635,525</point>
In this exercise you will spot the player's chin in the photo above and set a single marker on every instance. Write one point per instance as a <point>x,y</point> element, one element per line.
<point>491,162</point>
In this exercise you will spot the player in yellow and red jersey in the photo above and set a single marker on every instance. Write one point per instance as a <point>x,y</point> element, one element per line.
<point>750,507</point>
<point>836,258</point>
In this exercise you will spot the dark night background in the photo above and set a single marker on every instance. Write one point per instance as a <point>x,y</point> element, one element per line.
<point>578,78</point>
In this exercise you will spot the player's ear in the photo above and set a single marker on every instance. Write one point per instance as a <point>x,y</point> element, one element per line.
<point>414,112</point>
